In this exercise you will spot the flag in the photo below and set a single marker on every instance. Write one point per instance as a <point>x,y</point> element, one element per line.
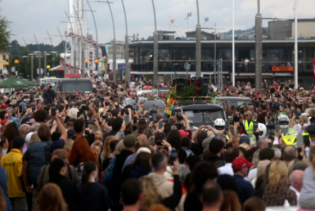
<point>206,19</point>
<point>188,15</point>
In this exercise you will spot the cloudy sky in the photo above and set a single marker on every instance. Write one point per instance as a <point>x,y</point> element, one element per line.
<point>30,17</point>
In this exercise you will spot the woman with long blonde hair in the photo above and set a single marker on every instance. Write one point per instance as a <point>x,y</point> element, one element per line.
<point>277,191</point>
<point>152,196</point>
<point>107,150</point>
<point>51,199</point>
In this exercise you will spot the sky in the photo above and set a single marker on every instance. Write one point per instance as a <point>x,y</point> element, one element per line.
<point>31,17</point>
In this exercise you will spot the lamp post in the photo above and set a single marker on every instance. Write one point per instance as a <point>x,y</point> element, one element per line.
<point>39,58</point>
<point>65,46</point>
<point>296,49</point>
<point>96,35</point>
<point>25,46</point>
<point>74,46</point>
<point>86,65</point>
<point>82,45</point>
<point>198,43</point>
<point>156,48</point>
<point>32,64</point>
<point>45,62</point>
<point>127,69</point>
<point>233,43</point>
<point>258,48</point>
<point>6,64</point>
<point>48,67</point>
<point>16,62</point>
<point>52,48</point>
<point>96,64</point>
<point>215,49</point>
<point>114,40</point>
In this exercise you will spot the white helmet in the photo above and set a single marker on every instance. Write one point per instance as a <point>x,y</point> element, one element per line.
<point>284,121</point>
<point>262,130</point>
<point>219,124</point>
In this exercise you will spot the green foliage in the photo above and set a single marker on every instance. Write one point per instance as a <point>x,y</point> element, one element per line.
<point>187,94</point>
<point>4,32</point>
<point>24,66</point>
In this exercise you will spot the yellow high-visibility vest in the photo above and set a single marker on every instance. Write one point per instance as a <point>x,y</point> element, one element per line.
<point>248,127</point>
<point>288,139</point>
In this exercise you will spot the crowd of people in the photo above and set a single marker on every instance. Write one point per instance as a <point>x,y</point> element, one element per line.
<point>78,151</point>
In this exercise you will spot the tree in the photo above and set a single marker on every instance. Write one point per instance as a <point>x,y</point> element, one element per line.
<point>4,32</point>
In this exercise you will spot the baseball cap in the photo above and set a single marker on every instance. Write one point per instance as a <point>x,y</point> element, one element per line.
<point>241,162</point>
<point>182,133</point>
<point>22,104</point>
<point>244,139</point>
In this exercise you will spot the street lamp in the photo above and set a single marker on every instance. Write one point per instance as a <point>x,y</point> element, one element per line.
<point>233,43</point>
<point>96,64</point>
<point>156,48</point>
<point>198,43</point>
<point>96,35</point>
<point>32,64</point>
<point>86,64</point>
<point>82,42</point>
<point>6,64</point>
<point>39,58</point>
<point>258,48</point>
<point>127,70</point>
<point>296,81</point>
<point>114,40</point>
<point>16,62</point>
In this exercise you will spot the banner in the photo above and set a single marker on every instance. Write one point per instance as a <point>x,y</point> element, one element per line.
<point>314,68</point>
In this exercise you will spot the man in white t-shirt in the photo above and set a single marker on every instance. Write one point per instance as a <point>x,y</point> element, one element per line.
<point>246,61</point>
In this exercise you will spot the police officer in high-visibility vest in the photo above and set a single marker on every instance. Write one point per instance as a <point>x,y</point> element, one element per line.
<point>305,133</point>
<point>311,130</point>
<point>288,137</point>
<point>248,127</point>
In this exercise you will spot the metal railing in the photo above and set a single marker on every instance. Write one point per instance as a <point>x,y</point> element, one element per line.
<point>207,66</point>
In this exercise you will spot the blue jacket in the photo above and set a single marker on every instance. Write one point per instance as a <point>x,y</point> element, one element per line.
<point>137,172</point>
<point>36,158</point>
<point>3,186</point>
<point>245,188</point>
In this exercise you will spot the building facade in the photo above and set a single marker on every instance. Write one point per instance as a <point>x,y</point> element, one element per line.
<point>4,57</point>
<point>277,57</point>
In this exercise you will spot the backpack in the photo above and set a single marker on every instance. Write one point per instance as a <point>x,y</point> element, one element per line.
<point>108,174</point>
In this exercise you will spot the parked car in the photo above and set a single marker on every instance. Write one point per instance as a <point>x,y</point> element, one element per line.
<point>236,101</point>
<point>68,85</point>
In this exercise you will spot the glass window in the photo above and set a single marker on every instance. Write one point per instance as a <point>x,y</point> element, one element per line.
<point>197,116</point>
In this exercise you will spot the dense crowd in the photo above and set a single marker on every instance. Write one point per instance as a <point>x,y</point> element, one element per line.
<point>91,151</point>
